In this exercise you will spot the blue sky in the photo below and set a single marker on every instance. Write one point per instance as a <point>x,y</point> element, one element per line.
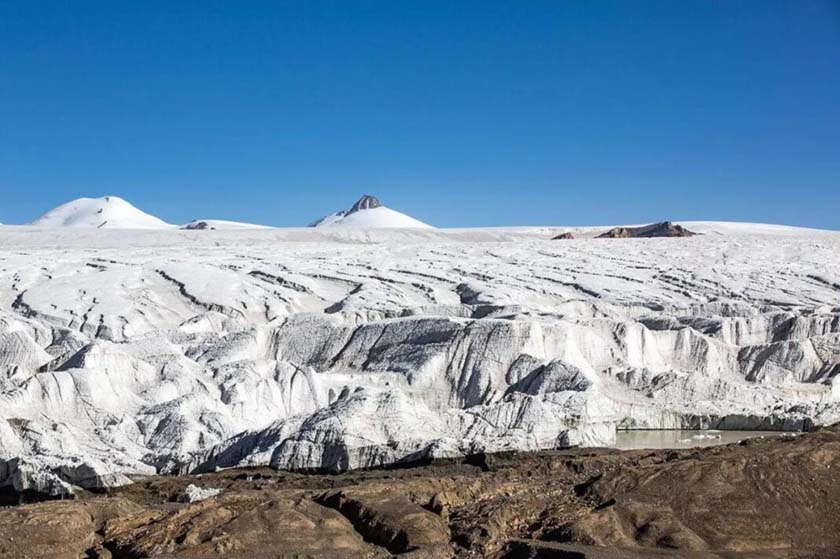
<point>461,113</point>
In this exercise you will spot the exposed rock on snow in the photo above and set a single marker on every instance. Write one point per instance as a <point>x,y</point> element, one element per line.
<point>663,229</point>
<point>369,213</point>
<point>109,212</point>
<point>562,236</point>
<point>123,354</point>
<point>213,224</point>
<point>366,202</point>
<point>198,225</point>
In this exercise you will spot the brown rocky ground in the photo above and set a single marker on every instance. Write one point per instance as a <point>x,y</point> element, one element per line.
<point>775,497</point>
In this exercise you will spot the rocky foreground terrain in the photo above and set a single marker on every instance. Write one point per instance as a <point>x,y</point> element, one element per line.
<point>762,498</point>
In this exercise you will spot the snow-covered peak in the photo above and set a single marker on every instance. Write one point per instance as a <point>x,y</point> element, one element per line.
<point>109,212</point>
<point>369,213</point>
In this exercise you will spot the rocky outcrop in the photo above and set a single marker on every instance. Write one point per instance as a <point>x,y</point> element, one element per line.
<point>198,226</point>
<point>366,202</point>
<point>663,229</point>
<point>392,521</point>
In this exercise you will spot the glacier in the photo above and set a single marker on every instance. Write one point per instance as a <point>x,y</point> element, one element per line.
<point>127,353</point>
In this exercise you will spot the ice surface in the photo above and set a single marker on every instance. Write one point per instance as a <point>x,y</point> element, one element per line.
<point>129,352</point>
<point>194,493</point>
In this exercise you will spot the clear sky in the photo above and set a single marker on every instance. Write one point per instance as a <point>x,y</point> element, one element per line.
<point>460,113</point>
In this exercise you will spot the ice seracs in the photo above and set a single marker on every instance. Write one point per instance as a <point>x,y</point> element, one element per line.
<point>369,213</point>
<point>108,212</point>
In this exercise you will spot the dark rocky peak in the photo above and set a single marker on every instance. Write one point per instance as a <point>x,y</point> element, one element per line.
<point>662,229</point>
<point>366,202</point>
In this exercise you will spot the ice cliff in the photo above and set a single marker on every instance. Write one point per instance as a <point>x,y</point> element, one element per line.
<point>136,352</point>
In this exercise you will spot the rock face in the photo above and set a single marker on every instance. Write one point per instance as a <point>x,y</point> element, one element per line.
<point>125,355</point>
<point>563,236</point>
<point>776,497</point>
<point>663,229</point>
<point>366,202</point>
<point>369,213</point>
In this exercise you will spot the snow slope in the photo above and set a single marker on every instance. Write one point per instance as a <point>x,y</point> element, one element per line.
<point>717,228</point>
<point>369,213</point>
<point>108,212</point>
<point>220,224</point>
<point>334,348</point>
